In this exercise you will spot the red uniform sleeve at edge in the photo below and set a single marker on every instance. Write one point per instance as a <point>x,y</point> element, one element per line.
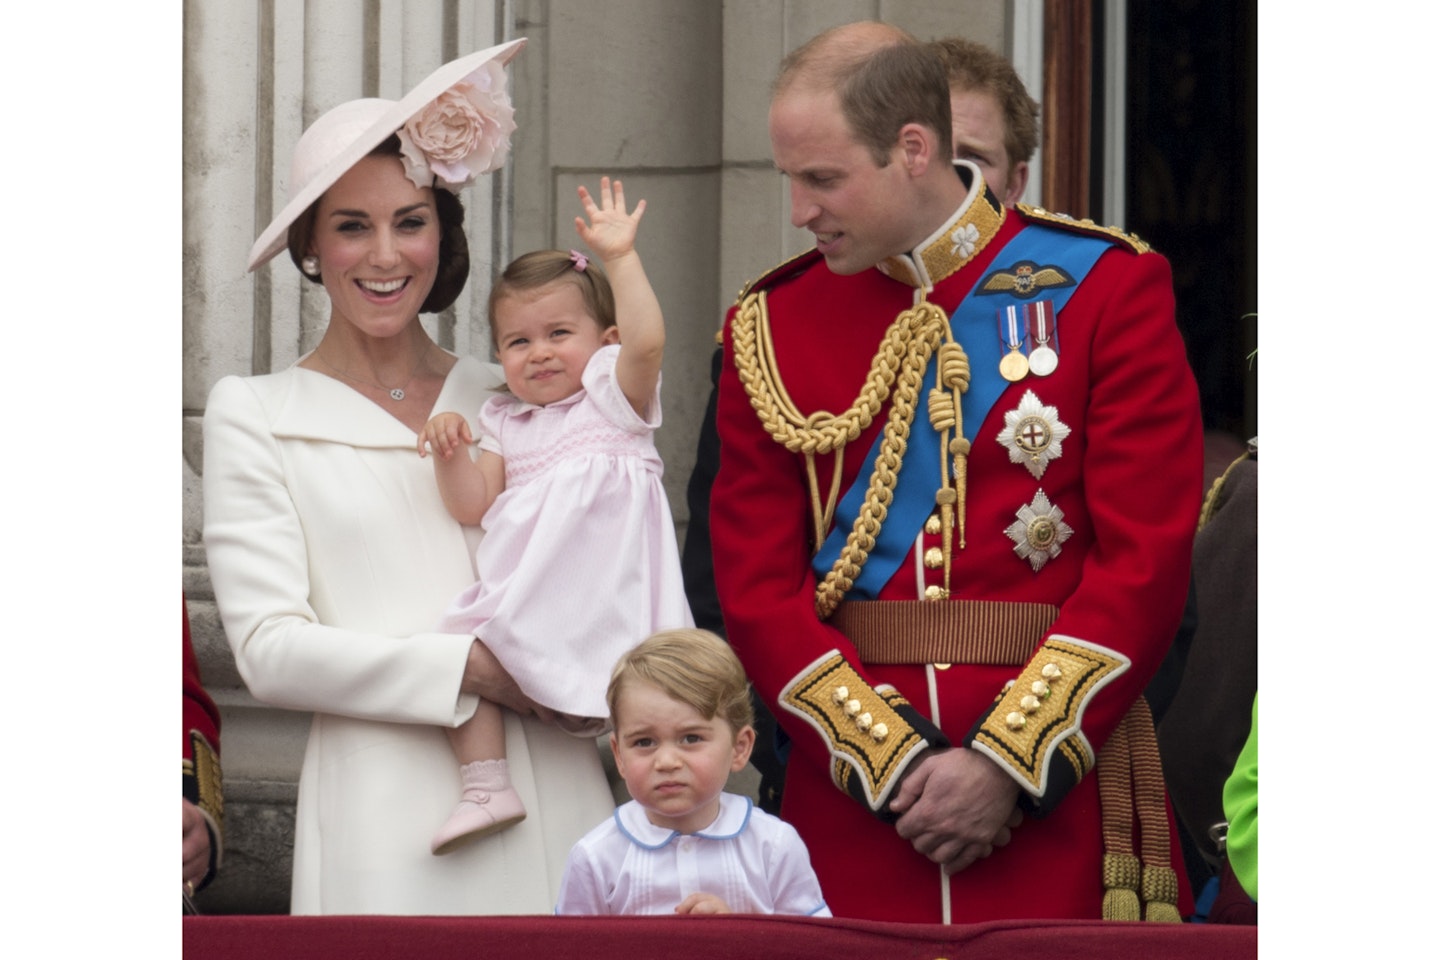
<point>200,712</point>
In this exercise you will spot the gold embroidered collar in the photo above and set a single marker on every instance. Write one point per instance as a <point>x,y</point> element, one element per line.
<point>958,240</point>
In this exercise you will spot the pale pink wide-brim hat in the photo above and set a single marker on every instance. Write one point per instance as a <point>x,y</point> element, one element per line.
<point>346,134</point>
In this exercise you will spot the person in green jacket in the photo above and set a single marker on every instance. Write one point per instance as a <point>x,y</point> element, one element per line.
<point>1242,809</point>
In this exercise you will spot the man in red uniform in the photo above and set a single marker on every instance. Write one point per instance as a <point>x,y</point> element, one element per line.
<point>202,806</point>
<point>995,126</point>
<point>960,447</point>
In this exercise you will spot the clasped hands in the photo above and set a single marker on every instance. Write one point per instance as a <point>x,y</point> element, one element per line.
<point>956,807</point>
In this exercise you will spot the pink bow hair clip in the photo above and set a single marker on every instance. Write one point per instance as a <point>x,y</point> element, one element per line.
<point>580,260</point>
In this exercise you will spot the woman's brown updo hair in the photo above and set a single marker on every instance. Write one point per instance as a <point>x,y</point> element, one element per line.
<point>453,269</point>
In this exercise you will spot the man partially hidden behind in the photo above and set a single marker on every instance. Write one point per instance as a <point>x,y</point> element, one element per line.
<point>994,122</point>
<point>961,447</point>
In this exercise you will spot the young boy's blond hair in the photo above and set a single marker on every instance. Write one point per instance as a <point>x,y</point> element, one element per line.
<point>694,667</point>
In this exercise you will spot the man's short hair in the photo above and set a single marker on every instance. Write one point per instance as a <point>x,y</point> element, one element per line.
<point>974,67</point>
<point>883,77</point>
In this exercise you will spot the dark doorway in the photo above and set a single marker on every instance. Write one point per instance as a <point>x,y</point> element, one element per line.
<point>1191,183</point>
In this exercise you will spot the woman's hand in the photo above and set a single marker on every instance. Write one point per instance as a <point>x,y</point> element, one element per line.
<point>443,435</point>
<point>486,677</point>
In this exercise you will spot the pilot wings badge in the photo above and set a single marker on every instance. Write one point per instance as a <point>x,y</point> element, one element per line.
<point>1024,280</point>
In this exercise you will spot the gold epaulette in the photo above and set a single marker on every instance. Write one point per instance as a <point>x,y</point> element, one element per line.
<point>796,264</point>
<point>1212,496</point>
<point>1086,226</point>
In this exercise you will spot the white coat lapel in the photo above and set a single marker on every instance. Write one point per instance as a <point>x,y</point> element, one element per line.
<point>317,407</point>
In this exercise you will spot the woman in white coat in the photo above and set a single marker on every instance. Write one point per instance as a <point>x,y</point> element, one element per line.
<point>331,553</point>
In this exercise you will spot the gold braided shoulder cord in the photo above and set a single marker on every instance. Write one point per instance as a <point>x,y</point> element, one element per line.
<point>899,362</point>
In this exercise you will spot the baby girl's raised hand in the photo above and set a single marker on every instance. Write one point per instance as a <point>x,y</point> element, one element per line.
<point>443,435</point>
<point>638,320</point>
<point>611,231</point>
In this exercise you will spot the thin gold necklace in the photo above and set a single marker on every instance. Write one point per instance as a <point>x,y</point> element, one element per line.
<point>396,393</point>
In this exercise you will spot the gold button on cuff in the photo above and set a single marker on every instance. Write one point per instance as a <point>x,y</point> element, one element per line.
<point>879,732</point>
<point>1029,704</point>
<point>863,721</point>
<point>1040,688</point>
<point>1051,671</point>
<point>934,558</point>
<point>1015,721</point>
<point>852,707</point>
<point>841,694</point>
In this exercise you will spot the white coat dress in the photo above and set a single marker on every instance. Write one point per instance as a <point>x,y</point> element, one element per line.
<point>332,556</point>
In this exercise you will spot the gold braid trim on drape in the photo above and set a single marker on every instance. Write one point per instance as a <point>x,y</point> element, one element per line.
<point>1212,496</point>
<point>899,366</point>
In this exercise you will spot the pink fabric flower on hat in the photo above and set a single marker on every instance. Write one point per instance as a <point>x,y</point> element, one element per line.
<point>460,134</point>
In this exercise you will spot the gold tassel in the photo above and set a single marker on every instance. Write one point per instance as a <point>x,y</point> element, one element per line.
<point>1160,889</point>
<point>1121,874</point>
<point>952,379</point>
<point>943,416</point>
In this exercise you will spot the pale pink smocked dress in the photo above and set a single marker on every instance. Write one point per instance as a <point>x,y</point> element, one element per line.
<point>579,561</point>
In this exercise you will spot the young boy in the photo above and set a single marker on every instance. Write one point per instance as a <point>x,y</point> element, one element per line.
<point>682,724</point>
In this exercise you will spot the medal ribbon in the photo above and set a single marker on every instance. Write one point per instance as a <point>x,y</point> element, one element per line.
<point>1040,319</point>
<point>1009,317</point>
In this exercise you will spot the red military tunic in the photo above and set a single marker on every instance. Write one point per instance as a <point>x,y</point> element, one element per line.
<point>200,751</point>
<point>1127,482</point>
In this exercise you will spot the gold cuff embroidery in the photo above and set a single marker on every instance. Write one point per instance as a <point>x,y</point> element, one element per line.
<point>1039,714</point>
<point>866,736</point>
<point>205,768</point>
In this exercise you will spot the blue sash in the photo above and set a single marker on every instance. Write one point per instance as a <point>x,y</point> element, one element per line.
<point>974,327</point>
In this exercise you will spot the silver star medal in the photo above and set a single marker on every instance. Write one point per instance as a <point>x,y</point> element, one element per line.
<point>1039,531</point>
<point>1032,434</point>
